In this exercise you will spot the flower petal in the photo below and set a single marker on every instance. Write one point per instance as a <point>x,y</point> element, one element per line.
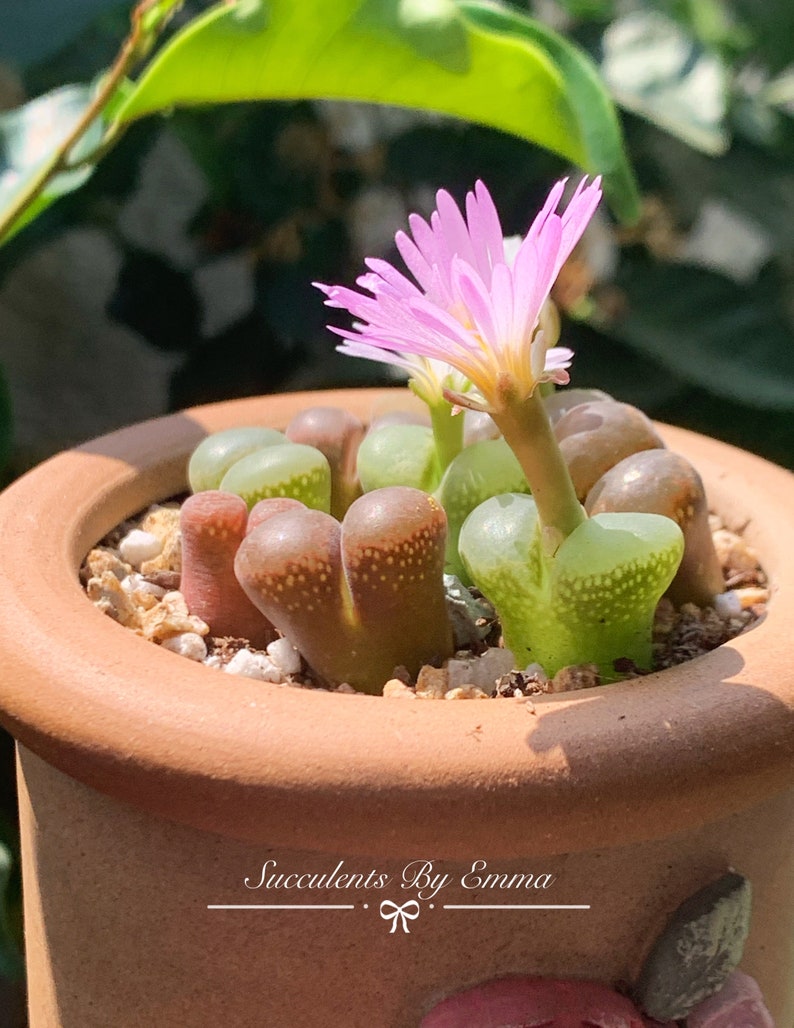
<point>469,310</point>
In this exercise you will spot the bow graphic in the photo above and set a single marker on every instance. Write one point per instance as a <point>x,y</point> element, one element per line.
<point>407,912</point>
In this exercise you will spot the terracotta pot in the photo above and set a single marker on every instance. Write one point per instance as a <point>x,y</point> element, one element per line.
<point>153,789</point>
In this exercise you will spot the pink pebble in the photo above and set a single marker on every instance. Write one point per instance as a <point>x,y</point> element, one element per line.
<point>535,1003</point>
<point>738,1004</point>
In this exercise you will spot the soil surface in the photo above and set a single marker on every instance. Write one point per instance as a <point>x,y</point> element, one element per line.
<point>133,576</point>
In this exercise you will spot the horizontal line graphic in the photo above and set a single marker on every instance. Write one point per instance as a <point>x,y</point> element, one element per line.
<point>281,906</point>
<point>516,906</point>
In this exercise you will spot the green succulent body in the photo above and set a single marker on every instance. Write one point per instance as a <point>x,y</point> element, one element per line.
<point>214,455</point>
<point>398,455</point>
<point>592,600</point>
<point>288,469</point>
<point>483,469</point>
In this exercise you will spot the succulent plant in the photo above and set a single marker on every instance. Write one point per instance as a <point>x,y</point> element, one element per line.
<point>398,454</point>
<point>594,593</point>
<point>571,584</point>
<point>662,482</point>
<point>481,470</point>
<point>337,434</point>
<point>360,598</point>
<point>475,329</point>
<point>214,455</point>
<point>595,435</point>
<point>213,524</point>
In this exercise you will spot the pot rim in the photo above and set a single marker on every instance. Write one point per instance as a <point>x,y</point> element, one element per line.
<point>617,764</point>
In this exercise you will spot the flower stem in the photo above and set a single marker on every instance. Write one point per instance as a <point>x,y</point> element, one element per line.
<point>447,433</point>
<point>526,428</point>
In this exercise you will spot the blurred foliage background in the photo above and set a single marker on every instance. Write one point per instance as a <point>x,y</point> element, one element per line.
<point>181,272</point>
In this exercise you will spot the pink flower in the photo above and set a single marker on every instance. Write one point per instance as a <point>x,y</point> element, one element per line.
<point>535,1003</point>
<point>469,309</point>
<point>738,1004</point>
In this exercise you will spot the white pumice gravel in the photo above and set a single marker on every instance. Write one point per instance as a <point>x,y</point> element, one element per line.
<point>284,654</point>
<point>186,644</point>
<point>254,665</point>
<point>135,583</point>
<point>138,546</point>
<point>728,604</point>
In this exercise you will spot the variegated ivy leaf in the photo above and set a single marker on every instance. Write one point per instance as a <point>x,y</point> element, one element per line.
<point>591,600</point>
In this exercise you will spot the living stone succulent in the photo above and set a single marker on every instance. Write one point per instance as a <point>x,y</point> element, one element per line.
<point>575,570</point>
<point>661,482</point>
<point>213,524</point>
<point>337,434</point>
<point>360,598</point>
<point>214,455</point>
<point>595,593</point>
<point>595,435</point>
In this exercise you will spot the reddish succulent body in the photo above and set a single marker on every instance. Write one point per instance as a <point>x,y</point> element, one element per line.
<point>213,524</point>
<point>336,434</point>
<point>594,436</point>
<point>662,482</point>
<point>360,598</point>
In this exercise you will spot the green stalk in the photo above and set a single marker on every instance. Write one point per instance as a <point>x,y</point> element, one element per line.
<point>527,430</point>
<point>447,433</point>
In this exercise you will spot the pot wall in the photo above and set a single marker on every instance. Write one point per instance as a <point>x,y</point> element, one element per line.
<point>149,792</point>
<point>118,930</point>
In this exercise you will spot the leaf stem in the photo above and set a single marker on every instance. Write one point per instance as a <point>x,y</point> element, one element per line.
<point>143,31</point>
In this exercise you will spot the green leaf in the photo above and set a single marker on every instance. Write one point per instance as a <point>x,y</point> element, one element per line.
<point>733,340</point>
<point>430,27</point>
<point>383,51</point>
<point>29,136</point>
<point>597,121</point>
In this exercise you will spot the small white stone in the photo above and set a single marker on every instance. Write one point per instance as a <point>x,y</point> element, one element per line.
<point>254,665</point>
<point>138,546</point>
<point>135,583</point>
<point>728,604</point>
<point>284,654</point>
<point>186,644</point>
<point>213,661</point>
